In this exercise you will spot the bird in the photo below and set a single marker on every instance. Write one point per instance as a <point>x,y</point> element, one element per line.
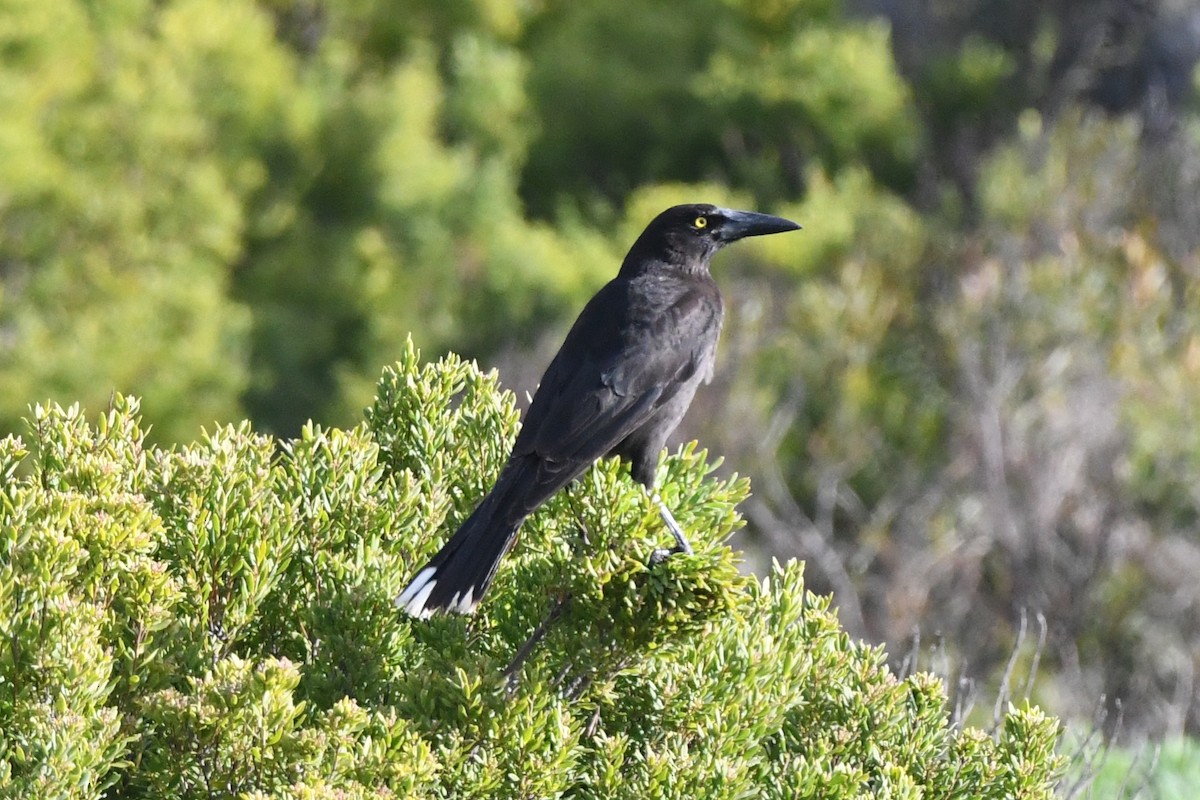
<point>618,386</point>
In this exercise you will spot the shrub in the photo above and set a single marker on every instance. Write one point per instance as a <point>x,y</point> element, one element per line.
<point>216,621</point>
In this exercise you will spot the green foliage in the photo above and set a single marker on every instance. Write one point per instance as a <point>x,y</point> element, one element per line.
<point>854,107</point>
<point>201,209</point>
<point>844,331</point>
<point>969,81</point>
<point>1177,770</point>
<point>116,231</point>
<point>1075,336</point>
<point>239,731</point>
<point>233,532</point>
<point>1167,771</point>
<point>743,93</point>
<point>226,206</point>
<point>967,387</point>
<point>217,621</point>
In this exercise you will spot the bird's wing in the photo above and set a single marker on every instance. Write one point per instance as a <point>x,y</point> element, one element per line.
<point>670,347</point>
<point>593,397</point>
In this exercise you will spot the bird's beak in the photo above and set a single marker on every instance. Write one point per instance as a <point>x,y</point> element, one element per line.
<point>740,224</point>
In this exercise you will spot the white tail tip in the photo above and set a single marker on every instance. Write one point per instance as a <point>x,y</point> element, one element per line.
<point>413,598</point>
<point>416,595</point>
<point>463,603</point>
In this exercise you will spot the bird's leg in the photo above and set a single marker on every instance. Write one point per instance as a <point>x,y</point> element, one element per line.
<point>583,531</point>
<point>681,543</point>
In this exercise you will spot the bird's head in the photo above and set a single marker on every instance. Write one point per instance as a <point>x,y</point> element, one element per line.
<point>687,236</point>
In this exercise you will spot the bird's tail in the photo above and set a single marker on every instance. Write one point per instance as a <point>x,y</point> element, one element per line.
<point>455,579</point>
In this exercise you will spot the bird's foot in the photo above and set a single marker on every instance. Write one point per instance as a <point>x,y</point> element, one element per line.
<point>661,554</point>
<point>682,545</point>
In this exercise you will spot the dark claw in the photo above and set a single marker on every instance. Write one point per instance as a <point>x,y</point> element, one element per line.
<point>660,555</point>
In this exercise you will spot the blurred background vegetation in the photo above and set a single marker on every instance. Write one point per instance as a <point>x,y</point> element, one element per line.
<point>966,393</point>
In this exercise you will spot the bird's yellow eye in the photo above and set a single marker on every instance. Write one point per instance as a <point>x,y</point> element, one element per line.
<point>700,222</point>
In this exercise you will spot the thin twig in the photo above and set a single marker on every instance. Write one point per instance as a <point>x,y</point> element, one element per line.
<point>1027,686</point>
<point>539,633</point>
<point>1004,694</point>
<point>593,724</point>
<point>792,527</point>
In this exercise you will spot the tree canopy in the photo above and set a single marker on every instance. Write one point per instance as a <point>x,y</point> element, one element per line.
<point>967,392</point>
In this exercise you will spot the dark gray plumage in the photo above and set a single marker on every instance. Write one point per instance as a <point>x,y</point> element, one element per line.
<point>619,385</point>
